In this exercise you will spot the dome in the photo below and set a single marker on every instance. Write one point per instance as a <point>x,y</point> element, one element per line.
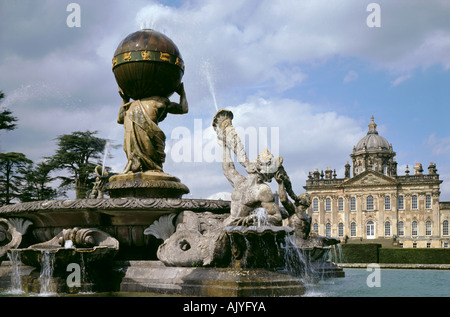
<point>372,141</point>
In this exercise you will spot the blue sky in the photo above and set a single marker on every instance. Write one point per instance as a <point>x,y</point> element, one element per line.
<point>311,68</point>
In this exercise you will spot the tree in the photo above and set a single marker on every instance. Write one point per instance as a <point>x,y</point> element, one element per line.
<point>36,186</point>
<point>13,167</point>
<point>7,120</point>
<point>78,153</point>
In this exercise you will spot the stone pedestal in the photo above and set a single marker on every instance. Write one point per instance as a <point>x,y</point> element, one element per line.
<point>153,276</point>
<point>149,184</point>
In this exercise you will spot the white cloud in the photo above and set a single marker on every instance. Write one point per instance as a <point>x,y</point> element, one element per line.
<point>439,145</point>
<point>400,80</point>
<point>221,195</point>
<point>257,49</point>
<point>307,140</point>
<point>351,76</point>
<point>266,42</point>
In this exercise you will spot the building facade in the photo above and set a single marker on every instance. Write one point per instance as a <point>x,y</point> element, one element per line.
<point>376,204</point>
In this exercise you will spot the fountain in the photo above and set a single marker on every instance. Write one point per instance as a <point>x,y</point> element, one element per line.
<point>146,237</point>
<point>207,72</point>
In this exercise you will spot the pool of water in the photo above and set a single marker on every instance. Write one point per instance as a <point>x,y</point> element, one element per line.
<point>384,283</point>
<point>356,283</point>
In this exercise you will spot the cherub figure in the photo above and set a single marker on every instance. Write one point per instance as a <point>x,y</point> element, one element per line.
<point>297,216</point>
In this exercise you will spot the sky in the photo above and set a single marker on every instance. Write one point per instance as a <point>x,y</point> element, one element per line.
<point>302,77</point>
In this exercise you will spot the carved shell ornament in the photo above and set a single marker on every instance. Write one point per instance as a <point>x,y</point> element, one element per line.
<point>162,228</point>
<point>11,231</point>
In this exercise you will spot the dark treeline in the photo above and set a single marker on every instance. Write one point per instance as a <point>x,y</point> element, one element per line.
<point>22,180</point>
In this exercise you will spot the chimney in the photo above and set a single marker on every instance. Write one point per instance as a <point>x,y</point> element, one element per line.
<point>328,173</point>
<point>418,169</point>
<point>432,169</point>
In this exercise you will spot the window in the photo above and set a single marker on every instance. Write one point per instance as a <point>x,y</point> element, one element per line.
<point>445,228</point>
<point>353,229</point>
<point>370,229</point>
<point>369,202</point>
<point>428,202</point>
<point>428,245</point>
<point>387,228</point>
<point>315,205</point>
<point>353,204</point>
<point>328,229</point>
<point>316,227</point>
<point>414,245</point>
<point>387,203</point>
<point>341,230</point>
<point>401,229</point>
<point>341,204</point>
<point>414,228</point>
<point>428,228</point>
<point>401,202</point>
<point>414,202</point>
<point>328,204</point>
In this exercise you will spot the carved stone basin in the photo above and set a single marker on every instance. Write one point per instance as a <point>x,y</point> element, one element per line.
<point>76,245</point>
<point>63,257</point>
<point>257,247</point>
<point>123,218</point>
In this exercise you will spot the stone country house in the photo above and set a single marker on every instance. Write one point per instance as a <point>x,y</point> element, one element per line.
<point>376,205</point>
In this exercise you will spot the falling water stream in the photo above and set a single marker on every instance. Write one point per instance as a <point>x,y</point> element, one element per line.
<point>296,262</point>
<point>45,278</point>
<point>336,254</point>
<point>16,278</point>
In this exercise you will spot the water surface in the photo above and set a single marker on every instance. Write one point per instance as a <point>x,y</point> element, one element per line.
<point>392,283</point>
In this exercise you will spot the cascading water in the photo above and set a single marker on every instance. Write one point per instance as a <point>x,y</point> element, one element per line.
<point>296,262</point>
<point>45,278</point>
<point>16,278</point>
<point>260,215</point>
<point>336,254</point>
<point>85,286</point>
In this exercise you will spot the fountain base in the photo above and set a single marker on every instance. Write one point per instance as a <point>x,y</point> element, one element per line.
<point>155,277</point>
<point>149,184</point>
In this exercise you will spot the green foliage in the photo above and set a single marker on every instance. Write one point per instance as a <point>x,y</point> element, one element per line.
<point>374,253</point>
<point>37,181</point>
<point>414,256</point>
<point>78,154</point>
<point>7,120</point>
<point>361,253</point>
<point>13,167</point>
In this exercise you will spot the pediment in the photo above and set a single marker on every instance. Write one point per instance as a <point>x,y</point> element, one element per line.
<point>368,178</point>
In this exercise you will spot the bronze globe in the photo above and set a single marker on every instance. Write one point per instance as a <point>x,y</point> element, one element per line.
<point>147,63</point>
